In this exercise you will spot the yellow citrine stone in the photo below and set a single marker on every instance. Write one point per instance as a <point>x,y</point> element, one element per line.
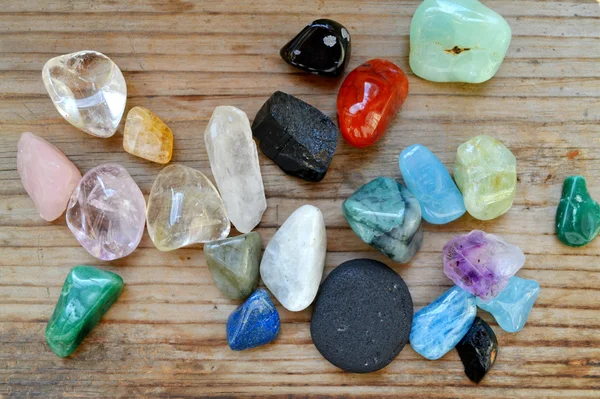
<point>146,136</point>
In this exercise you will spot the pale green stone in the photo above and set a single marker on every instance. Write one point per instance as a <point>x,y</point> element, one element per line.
<point>486,173</point>
<point>457,41</point>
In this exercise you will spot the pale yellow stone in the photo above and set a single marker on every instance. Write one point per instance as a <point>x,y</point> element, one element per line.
<point>146,136</point>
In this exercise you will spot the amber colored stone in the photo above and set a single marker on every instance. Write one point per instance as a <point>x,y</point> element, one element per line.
<point>146,136</point>
<point>368,100</point>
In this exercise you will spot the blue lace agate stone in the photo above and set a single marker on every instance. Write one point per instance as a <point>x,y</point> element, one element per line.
<point>427,178</point>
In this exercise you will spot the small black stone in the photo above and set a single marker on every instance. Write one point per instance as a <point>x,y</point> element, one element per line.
<point>323,48</point>
<point>296,136</point>
<point>362,316</point>
<point>478,350</point>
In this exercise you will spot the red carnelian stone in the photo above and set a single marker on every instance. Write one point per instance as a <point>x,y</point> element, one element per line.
<point>368,100</point>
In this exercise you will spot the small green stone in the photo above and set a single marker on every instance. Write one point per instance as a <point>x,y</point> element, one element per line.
<point>234,264</point>
<point>86,295</point>
<point>578,215</point>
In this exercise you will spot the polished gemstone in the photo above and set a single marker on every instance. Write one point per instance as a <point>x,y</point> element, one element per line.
<point>86,296</point>
<point>427,178</point>
<point>512,306</point>
<point>234,164</point>
<point>368,100</point>
<point>385,215</point>
<point>578,215</point>
<point>234,263</point>
<point>323,48</point>
<point>47,175</point>
<point>254,323</point>
<point>146,136</point>
<point>106,212</point>
<point>293,262</point>
<point>299,138</point>
<point>457,41</point>
<point>362,316</point>
<point>184,208</point>
<point>478,350</point>
<point>88,90</point>
<point>439,326</point>
<point>481,263</point>
<point>486,174</point>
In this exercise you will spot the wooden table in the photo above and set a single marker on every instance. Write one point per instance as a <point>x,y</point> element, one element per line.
<point>165,337</point>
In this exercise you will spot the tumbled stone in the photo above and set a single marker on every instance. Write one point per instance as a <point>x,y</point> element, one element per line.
<point>234,164</point>
<point>481,263</point>
<point>385,215</point>
<point>323,48</point>
<point>429,181</point>
<point>146,136</point>
<point>513,304</point>
<point>233,263</point>
<point>106,212</point>
<point>478,350</point>
<point>368,100</point>
<point>47,175</point>
<point>439,326</point>
<point>88,90</point>
<point>362,316</point>
<point>293,261</point>
<point>184,208</point>
<point>486,174</point>
<point>299,138</point>
<point>578,215</point>
<point>457,41</point>
<point>86,296</point>
<point>254,323</point>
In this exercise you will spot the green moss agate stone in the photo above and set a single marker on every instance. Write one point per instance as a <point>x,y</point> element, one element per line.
<point>578,215</point>
<point>234,264</point>
<point>457,41</point>
<point>86,295</point>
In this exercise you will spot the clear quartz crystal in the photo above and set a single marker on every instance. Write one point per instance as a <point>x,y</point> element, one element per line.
<point>88,90</point>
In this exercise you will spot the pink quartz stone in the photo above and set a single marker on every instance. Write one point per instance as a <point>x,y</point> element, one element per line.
<point>107,212</point>
<point>47,175</point>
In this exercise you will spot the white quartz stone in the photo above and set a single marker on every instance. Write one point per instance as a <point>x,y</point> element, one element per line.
<point>293,262</point>
<point>234,163</point>
<point>88,90</point>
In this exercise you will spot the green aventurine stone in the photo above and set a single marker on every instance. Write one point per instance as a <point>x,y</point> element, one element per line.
<point>457,41</point>
<point>234,264</point>
<point>578,215</point>
<point>86,295</point>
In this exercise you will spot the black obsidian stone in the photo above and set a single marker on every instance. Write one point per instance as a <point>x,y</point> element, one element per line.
<point>296,136</point>
<point>323,48</point>
<point>478,350</point>
<point>362,316</point>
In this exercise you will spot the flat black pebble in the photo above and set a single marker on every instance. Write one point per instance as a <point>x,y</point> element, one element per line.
<point>362,316</point>
<point>478,350</point>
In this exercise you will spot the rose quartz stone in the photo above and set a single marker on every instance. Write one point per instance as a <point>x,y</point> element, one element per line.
<point>47,175</point>
<point>107,212</point>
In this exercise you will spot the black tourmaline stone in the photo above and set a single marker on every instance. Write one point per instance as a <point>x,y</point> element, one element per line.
<point>478,350</point>
<point>323,48</point>
<point>296,136</point>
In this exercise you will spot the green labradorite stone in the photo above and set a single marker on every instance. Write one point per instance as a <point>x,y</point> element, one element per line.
<point>457,41</point>
<point>234,264</point>
<point>578,215</point>
<point>86,295</point>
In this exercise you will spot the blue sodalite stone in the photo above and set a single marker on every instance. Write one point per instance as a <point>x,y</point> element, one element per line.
<point>512,306</point>
<point>253,323</point>
<point>427,178</point>
<point>439,326</point>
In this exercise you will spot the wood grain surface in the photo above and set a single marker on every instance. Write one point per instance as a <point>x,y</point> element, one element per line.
<point>165,336</point>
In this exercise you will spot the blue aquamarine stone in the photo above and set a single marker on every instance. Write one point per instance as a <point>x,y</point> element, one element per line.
<point>512,306</point>
<point>427,178</point>
<point>439,326</point>
<point>253,323</point>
